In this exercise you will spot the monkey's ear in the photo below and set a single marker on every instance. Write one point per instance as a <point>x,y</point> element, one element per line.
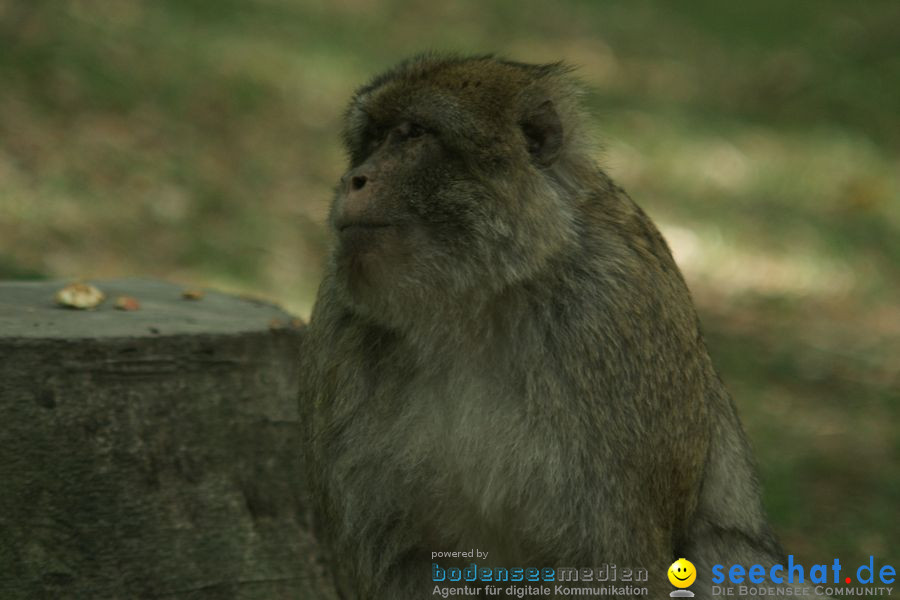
<point>543,133</point>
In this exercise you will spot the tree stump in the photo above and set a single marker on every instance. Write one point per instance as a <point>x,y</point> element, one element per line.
<point>153,453</point>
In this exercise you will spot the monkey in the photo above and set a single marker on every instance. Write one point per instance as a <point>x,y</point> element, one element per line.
<point>503,354</point>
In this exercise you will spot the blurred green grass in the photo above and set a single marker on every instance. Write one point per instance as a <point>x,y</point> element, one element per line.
<point>197,141</point>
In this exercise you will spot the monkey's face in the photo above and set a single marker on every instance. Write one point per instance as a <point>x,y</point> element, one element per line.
<point>451,182</point>
<point>384,212</point>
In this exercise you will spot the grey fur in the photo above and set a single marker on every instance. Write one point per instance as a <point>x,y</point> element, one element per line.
<point>518,366</point>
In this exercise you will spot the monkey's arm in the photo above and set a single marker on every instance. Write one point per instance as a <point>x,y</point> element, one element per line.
<point>730,526</point>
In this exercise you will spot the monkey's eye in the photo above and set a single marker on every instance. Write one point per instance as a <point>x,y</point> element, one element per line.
<point>415,131</point>
<point>372,139</point>
<point>408,131</point>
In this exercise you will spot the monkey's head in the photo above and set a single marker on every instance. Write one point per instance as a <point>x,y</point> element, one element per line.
<point>463,176</point>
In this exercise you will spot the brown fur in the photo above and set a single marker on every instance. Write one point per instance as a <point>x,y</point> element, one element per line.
<point>513,363</point>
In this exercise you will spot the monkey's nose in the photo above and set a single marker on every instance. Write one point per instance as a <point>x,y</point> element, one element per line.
<point>356,203</point>
<point>353,181</point>
<point>357,182</point>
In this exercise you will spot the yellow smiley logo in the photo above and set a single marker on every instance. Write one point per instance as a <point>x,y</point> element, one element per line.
<point>682,573</point>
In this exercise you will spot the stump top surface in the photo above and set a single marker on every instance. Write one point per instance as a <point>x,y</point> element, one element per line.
<point>28,310</point>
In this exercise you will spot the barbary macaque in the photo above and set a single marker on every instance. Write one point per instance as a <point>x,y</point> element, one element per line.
<point>503,354</point>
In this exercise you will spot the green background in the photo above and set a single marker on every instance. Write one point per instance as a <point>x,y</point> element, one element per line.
<point>198,141</point>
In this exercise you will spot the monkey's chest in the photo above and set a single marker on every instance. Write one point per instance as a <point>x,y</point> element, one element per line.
<point>456,451</point>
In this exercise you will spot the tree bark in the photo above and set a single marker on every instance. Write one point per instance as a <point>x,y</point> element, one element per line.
<point>153,453</point>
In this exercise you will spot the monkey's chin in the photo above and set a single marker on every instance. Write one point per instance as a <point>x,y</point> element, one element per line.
<point>356,237</point>
<point>367,257</point>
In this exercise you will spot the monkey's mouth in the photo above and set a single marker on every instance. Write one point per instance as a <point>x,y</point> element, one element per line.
<point>364,238</point>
